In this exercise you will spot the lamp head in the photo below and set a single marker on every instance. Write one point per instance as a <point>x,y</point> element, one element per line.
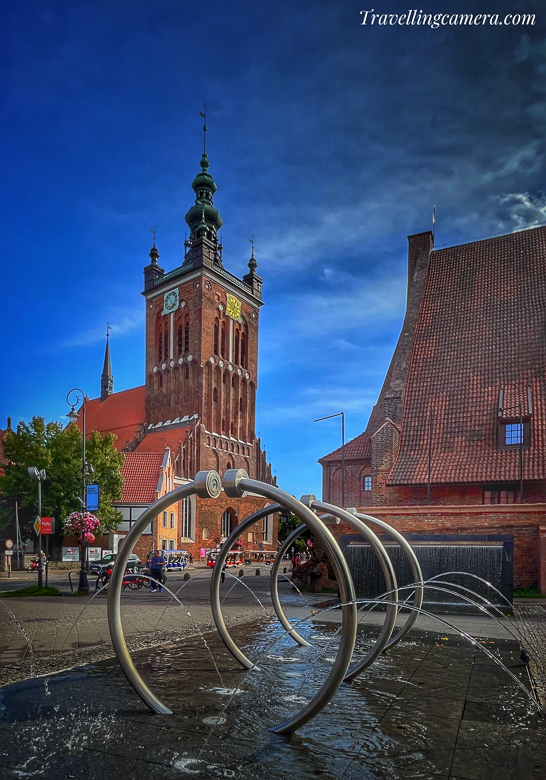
<point>73,415</point>
<point>34,473</point>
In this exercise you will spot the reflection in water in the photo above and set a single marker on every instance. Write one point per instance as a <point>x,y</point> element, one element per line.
<point>395,721</point>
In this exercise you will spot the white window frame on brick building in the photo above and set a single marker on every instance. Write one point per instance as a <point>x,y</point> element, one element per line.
<point>367,482</point>
<point>187,514</point>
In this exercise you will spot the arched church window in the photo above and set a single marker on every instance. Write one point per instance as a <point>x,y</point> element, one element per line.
<point>243,351</point>
<point>166,343</point>
<point>223,342</point>
<point>187,338</point>
<point>237,347</point>
<point>216,338</point>
<point>367,482</point>
<point>205,533</point>
<point>226,524</point>
<point>180,350</point>
<point>215,394</point>
<point>160,351</point>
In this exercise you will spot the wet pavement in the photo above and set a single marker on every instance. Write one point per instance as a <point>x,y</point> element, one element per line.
<point>434,707</point>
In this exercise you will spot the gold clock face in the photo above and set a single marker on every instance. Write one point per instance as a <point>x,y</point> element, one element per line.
<point>233,308</point>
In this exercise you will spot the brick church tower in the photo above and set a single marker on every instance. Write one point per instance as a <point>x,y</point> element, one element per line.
<point>202,350</point>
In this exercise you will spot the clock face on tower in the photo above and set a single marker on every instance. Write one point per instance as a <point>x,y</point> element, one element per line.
<point>170,301</point>
<point>233,308</point>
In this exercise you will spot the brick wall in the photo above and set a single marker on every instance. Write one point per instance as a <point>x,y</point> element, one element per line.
<point>527,523</point>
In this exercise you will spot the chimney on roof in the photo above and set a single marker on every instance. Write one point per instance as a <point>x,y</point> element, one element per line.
<point>420,246</point>
<point>9,424</point>
<point>107,379</point>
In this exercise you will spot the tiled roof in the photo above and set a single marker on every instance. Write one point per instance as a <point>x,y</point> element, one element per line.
<point>120,413</point>
<point>156,441</point>
<point>141,471</point>
<point>356,449</point>
<point>481,327</point>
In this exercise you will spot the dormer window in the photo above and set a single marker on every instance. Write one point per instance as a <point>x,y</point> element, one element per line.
<point>513,434</point>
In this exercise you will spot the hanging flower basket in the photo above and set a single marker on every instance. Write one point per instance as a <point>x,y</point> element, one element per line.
<point>88,537</point>
<point>81,523</point>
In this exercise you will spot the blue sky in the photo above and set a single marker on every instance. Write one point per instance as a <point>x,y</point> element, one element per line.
<point>329,141</point>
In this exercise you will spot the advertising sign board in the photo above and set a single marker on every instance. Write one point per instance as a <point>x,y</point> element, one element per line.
<point>48,525</point>
<point>95,553</point>
<point>71,554</point>
<point>92,497</point>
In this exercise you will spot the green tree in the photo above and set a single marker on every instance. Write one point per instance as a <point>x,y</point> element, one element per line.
<point>289,523</point>
<point>58,450</point>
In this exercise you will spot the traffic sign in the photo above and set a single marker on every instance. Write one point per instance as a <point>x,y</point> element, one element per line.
<point>37,525</point>
<point>8,552</point>
<point>9,544</point>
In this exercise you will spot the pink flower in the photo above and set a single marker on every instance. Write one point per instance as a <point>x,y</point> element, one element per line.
<point>81,523</point>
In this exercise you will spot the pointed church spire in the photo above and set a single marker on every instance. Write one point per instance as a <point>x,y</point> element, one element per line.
<point>252,264</point>
<point>107,379</point>
<point>251,278</point>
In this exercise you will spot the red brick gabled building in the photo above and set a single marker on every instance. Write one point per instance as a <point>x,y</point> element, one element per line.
<point>201,372</point>
<point>460,419</point>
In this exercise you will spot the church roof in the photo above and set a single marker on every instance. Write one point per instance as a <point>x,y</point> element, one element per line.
<point>356,449</point>
<point>141,472</point>
<point>481,328</point>
<point>119,413</point>
<point>156,441</point>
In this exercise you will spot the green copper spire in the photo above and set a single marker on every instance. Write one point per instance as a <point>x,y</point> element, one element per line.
<point>203,212</point>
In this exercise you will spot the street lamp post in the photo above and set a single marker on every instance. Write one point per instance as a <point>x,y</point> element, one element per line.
<point>342,415</point>
<point>78,396</point>
<point>39,477</point>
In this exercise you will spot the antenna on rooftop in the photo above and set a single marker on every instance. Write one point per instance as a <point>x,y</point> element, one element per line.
<point>433,221</point>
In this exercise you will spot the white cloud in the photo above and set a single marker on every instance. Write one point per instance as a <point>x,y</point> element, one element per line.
<point>121,325</point>
<point>524,209</point>
<point>526,159</point>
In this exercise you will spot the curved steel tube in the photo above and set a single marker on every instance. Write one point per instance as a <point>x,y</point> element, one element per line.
<point>236,482</point>
<point>390,579</point>
<point>114,596</point>
<point>275,587</point>
<point>415,567</point>
<point>215,603</point>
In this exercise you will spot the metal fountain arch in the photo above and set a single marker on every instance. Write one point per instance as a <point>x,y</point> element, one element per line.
<point>315,516</point>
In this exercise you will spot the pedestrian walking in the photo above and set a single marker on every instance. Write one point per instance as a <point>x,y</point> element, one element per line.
<point>191,559</point>
<point>157,567</point>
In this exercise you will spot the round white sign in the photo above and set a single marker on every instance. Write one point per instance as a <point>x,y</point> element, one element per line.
<point>9,544</point>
